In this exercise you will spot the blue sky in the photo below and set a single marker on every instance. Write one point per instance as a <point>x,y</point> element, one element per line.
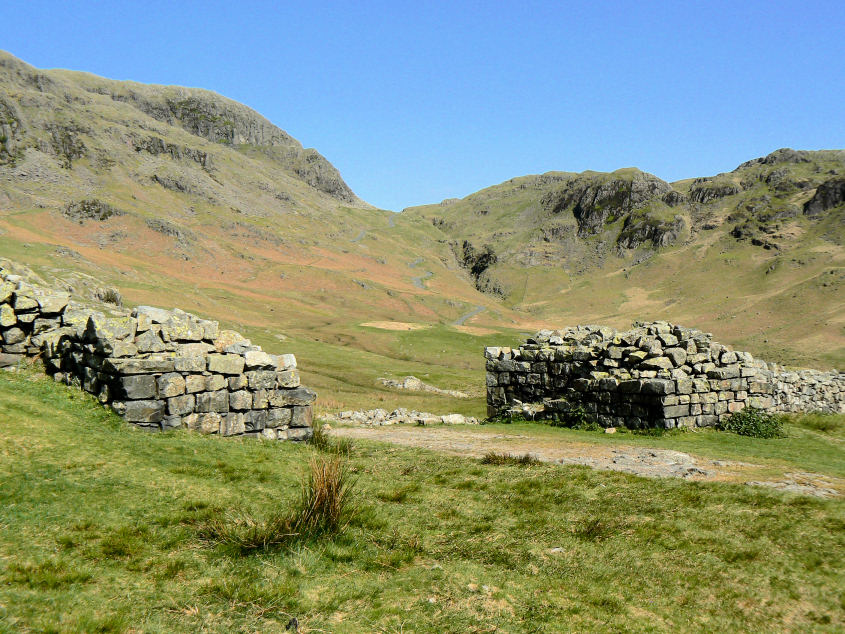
<point>419,101</point>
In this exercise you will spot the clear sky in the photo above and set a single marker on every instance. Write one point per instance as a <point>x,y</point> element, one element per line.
<point>419,101</point>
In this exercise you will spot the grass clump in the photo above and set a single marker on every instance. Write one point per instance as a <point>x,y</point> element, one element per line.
<point>495,458</point>
<point>325,507</point>
<point>322,441</point>
<point>755,423</point>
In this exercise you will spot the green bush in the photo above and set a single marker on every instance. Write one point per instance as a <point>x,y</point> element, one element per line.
<point>754,422</point>
<point>524,460</point>
<point>576,418</point>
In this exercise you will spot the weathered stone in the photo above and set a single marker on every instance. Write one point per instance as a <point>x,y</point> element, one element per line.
<point>656,363</point>
<point>213,401</point>
<point>149,341</point>
<point>658,386</point>
<point>13,336</point>
<point>279,417</point>
<point>7,289</point>
<point>299,433</point>
<point>136,387</point>
<point>240,400</point>
<point>232,424</point>
<point>285,362</point>
<point>210,329</point>
<point>181,405</point>
<point>7,316</point>
<point>194,383</point>
<point>678,356</point>
<point>152,314</point>
<point>100,328</point>
<point>258,360</point>
<point>288,379</point>
<point>171,384</point>
<point>727,372</point>
<point>10,360</point>
<point>24,302</point>
<point>52,304</point>
<point>238,382</point>
<point>216,382</point>
<point>261,399</point>
<point>139,366</point>
<point>144,411</point>
<point>189,364</point>
<point>255,420</point>
<point>261,380</point>
<point>225,364</point>
<point>207,423</point>
<point>296,396</point>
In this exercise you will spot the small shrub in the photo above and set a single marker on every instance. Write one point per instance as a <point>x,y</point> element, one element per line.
<point>325,507</point>
<point>493,457</point>
<point>755,423</point>
<point>576,418</point>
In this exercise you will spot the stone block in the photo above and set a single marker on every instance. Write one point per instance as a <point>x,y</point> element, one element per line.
<point>295,396</point>
<point>226,364</point>
<point>181,405</point>
<point>139,366</point>
<point>287,378</point>
<point>144,411</point>
<point>302,416</point>
<point>7,289</point>
<point>658,386</point>
<point>261,399</point>
<point>760,402</point>
<point>630,386</point>
<point>674,411</point>
<point>149,341</point>
<point>24,302</point>
<point>261,379</point>
<point>279,417</point>
<point>656,363</point>
<point>205,423</point>
<point>255,420</point>
<point>171,384</point>
<point>678,356</point>
<point>171,422</point>
<point>189,364</point>
<point>727,372</point>
<point>299,434</point>
<point>213,401</point>
<point>214,382</point>
<point>194,383</point>
<point>13,336</point>
<point>101,328</point>
<point>136,387</point>
<point>232,424</point>
<point>240,400</point>
<point>259,360</point>
<point>736,406</point>
<point>7,316</point>
<point>238,382</point>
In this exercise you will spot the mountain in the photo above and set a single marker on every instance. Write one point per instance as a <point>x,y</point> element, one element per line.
<point>181,197</point>
<point>756,253</point>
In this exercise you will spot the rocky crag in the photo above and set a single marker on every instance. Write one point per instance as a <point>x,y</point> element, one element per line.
<point>158,369</point>
<point>655,375</point>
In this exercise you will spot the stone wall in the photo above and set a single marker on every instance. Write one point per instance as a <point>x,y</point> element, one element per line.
<point>156,368</point>
<point>655,375</point>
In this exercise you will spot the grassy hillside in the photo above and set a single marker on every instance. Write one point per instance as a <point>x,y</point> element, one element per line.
<point>102,528</point>
<point>738,254</point>
<point>181,197</point>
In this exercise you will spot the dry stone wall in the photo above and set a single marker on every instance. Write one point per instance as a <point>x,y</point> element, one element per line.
<point>655,375</point>
<point>158,369</point>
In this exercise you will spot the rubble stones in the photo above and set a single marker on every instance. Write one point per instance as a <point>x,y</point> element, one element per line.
<point>159,369</point>
<point>656,374</point>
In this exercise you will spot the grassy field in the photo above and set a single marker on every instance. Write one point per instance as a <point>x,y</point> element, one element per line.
<point>101,529</point>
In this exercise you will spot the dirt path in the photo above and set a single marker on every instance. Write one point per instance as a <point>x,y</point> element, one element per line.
<point>644,461</point>
<point>460,321</point>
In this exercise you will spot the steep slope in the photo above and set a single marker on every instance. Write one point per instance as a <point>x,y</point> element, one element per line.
<point>756,254</point>
<point>181,197</point>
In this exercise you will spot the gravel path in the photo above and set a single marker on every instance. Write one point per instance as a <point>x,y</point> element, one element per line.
<point>462,319</point>
<point>643,461</point>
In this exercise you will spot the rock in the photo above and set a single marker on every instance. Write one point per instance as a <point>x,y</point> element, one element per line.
<point>287,379</point>
<point>240,400</point>
<point>829,194</point>
<point>139,366</point>
<point>10,360</point>
<point>285,362</point>
<point>13,336</point>
<point>7,316</point>
<point>259,360</point>
<point>232,424</point>
<point>52,304</point>
<point>261,379</point>
<point>171,384</point>
<point>135,387</point>
<point>181,405</point>
<point>100,328</point>
<point>225,364</point>
<point>194,383</point>
<point>149,341</point>
<point>144,411</point>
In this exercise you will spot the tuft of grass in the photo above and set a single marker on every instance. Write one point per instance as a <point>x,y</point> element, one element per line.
<point>325,507</point>
<point>755,423</point>
<point>322,441</point>
<point>495,458</point>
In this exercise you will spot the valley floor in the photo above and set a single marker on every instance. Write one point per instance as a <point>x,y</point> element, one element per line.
<point>103,529</point>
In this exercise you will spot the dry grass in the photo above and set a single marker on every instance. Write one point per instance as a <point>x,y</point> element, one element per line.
<point>325,507</point>
<point>496,458</point>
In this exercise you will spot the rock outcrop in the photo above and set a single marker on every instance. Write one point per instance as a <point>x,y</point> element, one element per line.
<point>158,369</point>
<point>654,375</point>
<point>829,194</point>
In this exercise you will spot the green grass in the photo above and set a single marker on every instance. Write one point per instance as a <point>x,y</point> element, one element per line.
<point>101,529</point>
